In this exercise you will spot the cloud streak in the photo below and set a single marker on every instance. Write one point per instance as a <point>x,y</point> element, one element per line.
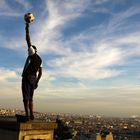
<point>90,61</point>
<point>7,10</point>
<point>6,74</point>
<point>78,59</point>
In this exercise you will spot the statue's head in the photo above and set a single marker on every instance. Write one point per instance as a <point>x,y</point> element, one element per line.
<point>32,50</point>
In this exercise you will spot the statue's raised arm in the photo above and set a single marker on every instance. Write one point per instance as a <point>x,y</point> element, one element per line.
<point>28,40</point>
<point>29,18</point>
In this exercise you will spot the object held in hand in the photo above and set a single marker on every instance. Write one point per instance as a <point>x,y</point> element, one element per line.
<point>29,17</point>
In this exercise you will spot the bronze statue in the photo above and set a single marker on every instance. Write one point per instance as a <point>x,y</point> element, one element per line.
<point>31,75</point>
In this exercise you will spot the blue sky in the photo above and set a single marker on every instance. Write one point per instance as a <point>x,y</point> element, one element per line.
<point>90,51</point>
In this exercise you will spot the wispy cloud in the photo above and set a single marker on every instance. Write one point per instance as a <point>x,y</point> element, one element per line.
<point>10,83</point>
<point>78,59</point>
<point>6,74</point>
<point>25,4</point>
<point>94,63</point>
<point>92,60</point>
<point>88,65</point>
<point>49,37</point>
<point>118,21</point>
<point>7,10</point>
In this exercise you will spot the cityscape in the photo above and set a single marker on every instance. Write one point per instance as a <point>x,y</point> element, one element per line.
<point>87,127</point>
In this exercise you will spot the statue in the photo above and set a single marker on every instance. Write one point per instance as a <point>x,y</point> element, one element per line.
<point>32,71</point>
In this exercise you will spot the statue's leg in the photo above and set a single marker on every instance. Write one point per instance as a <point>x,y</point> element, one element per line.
<point>31,110</point>
<point>26,107</point>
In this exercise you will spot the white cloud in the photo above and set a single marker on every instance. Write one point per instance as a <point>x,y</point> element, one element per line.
<point>10,83</point>
<point>130,39</point>
<point>6,74</point>
<point>98,2</point>
<point>49,36</point>
<point>89,65</point>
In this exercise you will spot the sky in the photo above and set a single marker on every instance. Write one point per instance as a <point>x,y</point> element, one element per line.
<point>90,51</point>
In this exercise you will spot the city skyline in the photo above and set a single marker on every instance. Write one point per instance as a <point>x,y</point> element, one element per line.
<point>90,51</point>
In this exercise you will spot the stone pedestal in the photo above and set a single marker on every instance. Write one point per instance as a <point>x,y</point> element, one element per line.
<point>11,130</point>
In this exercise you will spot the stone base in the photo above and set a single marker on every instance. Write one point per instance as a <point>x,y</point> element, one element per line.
<point>12,130</point>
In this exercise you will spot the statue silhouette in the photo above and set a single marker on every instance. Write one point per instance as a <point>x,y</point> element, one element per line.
<point>31,75</point>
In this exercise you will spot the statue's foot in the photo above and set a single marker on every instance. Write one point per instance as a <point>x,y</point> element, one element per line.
<point>32,117</point>
<point>21,118</point>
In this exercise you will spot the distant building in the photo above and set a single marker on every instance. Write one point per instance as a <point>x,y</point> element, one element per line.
<point>109,136</point>
<point>98,136</point>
